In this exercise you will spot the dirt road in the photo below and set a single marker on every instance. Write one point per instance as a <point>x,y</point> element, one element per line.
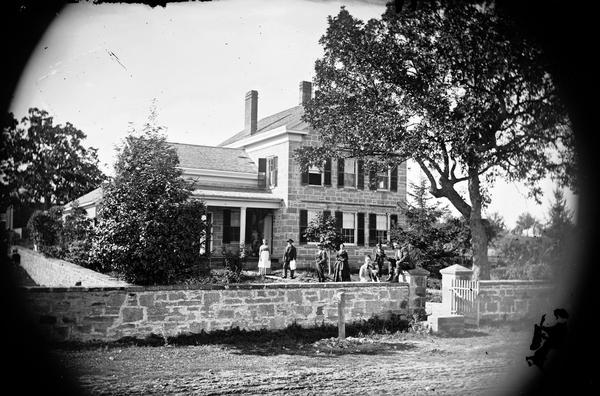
<point>490,361</point>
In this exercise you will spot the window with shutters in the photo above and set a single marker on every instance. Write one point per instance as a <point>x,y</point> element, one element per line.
<point>311,215</point>
<point>315,176</point>
<point>272,172</point>
<point>349,172</point>
<point>348,227</point>
<point>381,228</point>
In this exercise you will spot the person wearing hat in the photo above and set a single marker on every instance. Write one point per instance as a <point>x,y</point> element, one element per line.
<point>289,259</point>
<point>321,262</point>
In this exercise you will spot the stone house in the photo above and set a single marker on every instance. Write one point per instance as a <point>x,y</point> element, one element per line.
<point>254,188</point>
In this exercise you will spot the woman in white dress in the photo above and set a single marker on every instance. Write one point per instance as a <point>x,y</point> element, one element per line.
<point>264,258</point>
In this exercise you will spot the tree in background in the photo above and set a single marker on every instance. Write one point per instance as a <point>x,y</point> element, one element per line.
<point>45,229</point>
<point>560,229</point>
<point>149,229</point>
<point>450,85</point>
<point>525,223</point>
<point>43,164</point>
<point>440,238</point>
<point>324,229</point>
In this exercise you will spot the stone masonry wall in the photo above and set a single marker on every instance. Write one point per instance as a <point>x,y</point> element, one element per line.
<point>50,272</point>
<point>108,314</point>
<point>513,300</point>
<point>334,199</point>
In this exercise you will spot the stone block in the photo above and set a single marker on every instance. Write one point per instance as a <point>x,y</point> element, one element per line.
<point>266,310</point>
<point>448,325</point>
<point>132,314</point>
<point>177,296</point>
<point>146,300</point>
<point>225,314</point>
<point>211,298</point>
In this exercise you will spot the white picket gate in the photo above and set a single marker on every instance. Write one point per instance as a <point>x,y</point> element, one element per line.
<point>464,299</point>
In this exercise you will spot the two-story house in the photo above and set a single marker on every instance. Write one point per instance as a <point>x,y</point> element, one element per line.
<point>254,188</point>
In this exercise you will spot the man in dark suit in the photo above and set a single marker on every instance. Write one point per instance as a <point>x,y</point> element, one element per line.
<point>288,255</point>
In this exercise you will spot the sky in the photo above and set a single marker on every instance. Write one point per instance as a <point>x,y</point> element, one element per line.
<point>99,67</point>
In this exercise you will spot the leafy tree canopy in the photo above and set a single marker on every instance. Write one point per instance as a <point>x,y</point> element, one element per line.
<point>43,163</point>
<point>451,86</point>
<point>149,228</point>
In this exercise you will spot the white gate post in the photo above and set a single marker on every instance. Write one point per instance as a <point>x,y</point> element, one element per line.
<point>450,274</point>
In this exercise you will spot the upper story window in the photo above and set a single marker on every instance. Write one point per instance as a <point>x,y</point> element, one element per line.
<point>346,172</point>
<point>383,180</point>
<point>314,176</point>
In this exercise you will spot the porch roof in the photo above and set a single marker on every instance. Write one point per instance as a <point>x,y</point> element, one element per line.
<point>235,198</point>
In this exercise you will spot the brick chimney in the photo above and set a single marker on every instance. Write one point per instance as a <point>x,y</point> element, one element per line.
<point>251,116</point>
<point>305,91</point>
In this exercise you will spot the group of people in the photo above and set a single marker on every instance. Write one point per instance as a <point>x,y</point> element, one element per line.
<point>371,271</point>
<point>402,260</point>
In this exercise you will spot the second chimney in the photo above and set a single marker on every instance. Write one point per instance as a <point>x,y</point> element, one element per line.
<point>305,91</point>
<point>251,116</point>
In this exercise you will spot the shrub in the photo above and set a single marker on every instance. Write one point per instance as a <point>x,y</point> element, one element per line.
<point>233,260</point>
<point>45,228</point>
<point>148,228</point>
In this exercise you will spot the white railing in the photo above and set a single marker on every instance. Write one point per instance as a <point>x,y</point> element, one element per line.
<point>464,298</point>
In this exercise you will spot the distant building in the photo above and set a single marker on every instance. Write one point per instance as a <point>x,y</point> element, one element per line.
<point>254,189</point>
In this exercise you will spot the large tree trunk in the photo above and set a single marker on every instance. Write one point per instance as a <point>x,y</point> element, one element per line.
<point>479,239</point>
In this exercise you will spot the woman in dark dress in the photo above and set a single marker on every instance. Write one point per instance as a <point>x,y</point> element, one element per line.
<point>342,268</point>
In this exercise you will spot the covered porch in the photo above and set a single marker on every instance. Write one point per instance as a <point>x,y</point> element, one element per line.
<point>238,218</point>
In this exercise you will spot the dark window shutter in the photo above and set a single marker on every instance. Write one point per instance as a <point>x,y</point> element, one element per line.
<point>393,220</point>
<point>340,166</point>
<point>372,229</point>
<point>262,172</point>
<point>360,184</point>
<point>327,181</point>
<point>372,179</point>
<point>303,225</point>
<point>394,179</point>
<point>304,179</point>
<point>326,214</point>
<point>226,226</point>
<point>275,172</point>
<point>360,219</point>
<point>338,220</point>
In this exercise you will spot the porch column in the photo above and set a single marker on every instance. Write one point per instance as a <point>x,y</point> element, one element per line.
<point>242,226</point>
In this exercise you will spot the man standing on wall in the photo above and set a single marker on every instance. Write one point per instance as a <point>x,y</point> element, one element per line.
<point>289,259</point>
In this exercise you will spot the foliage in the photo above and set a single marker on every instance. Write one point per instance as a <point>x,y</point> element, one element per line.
<point>149,229</point>
<point>76,236</point>
<point>233,260</point>
<point>439,238</point>
<point>525,223</point>
<point>45,228</point>
<point>324,229</point>
<point>45,163</point>
<point>560,228</point>
<point>451,86</point>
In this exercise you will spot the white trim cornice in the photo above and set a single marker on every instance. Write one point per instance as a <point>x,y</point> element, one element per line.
<point>253,139</point>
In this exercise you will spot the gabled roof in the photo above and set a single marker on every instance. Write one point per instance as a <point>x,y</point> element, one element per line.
<point>91,197</point>
<point>216,158</point>
<point>290,118</point>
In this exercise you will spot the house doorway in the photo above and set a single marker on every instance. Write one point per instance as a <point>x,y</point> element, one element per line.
<point>259,225</point>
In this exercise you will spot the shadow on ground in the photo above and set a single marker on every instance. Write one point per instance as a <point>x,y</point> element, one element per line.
<point>373,336</point>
